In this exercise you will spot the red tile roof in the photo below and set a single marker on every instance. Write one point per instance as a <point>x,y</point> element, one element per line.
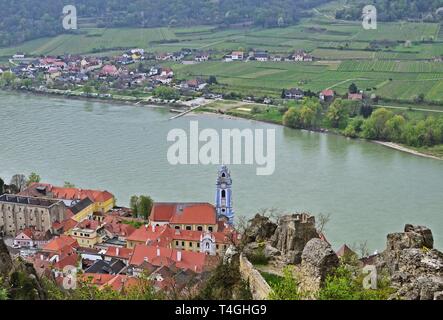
<point>58,244</point>
<point>148,235</point>
<point>184,213</point>
<point>122,253</point>
<point>328,93</point>
<point>67,193</point>
<point>158,256</point>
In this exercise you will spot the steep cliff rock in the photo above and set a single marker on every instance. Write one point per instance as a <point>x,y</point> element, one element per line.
<point>318,260</point>
<point>20,277</point>
<point>260,229</point>
<point>292,235</point>
<point>416,269</point>
<point>5,259</point>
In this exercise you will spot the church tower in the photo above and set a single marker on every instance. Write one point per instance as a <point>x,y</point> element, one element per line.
<point>223,195</point>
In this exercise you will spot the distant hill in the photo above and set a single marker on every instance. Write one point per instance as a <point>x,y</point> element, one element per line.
<point>393,10</point>
<point>22,20</point>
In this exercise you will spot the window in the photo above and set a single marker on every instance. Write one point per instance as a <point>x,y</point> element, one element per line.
<point>183,243</point>
<point>177,227</point>
<point>189,228</point>
<point>198,244</point>
<point>200,228</point>
<point>223,193</point>
<point>216,247</point>
<point>176,243</point>
<point>210,229</point>
<point>190,244</point>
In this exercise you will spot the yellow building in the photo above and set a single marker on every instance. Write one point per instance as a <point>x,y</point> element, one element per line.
<point>83,209</point>
<point>88,233</point>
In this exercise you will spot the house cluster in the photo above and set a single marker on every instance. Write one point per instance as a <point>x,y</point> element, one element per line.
<point>69,71</point>
<point>327,95</point>
<point>56,228</point>
<point>264,56</point>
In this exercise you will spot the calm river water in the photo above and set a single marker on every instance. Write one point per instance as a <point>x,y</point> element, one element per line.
<point>368,189</point>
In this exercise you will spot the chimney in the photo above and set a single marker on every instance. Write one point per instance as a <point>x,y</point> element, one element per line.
<point>153,228</point>
<point>145,259</point>
<point>117,251</point>
<point>158,252</point>
<point>179,256</point>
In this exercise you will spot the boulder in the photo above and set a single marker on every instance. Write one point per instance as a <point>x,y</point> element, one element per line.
<point>318,260</point>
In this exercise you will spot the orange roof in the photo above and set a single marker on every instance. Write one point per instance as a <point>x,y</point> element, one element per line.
<point>157,256</point>
<point>184,213</point>
<point>116,282</point>
<point>147,234</point>
<point>67,193</point>
<point>59,243</point>
<point>122,253</point>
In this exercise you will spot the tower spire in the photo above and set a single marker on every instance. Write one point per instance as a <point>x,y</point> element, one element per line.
<point>223,195</point>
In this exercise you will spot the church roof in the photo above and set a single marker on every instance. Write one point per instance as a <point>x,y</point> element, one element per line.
<point>184,213</point>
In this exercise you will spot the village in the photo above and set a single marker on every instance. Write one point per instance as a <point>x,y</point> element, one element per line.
<point>142,77</point>
<point>64,231</point>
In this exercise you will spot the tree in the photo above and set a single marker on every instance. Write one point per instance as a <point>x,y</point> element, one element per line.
<point>212,80</point>
<point>133,204</point>
<point>2,186</point>
<point>353,88</point>
<point>68,184</point>
<point>8,78</point>
<point>322,221</point>
<point>166,93</point>
<point>395,127</point>
<point>33,178</point>
<point>144,206</point>
<point>375,126</point>
<point>19,182</point>
<point>306,117</point>
<point>338,114</point>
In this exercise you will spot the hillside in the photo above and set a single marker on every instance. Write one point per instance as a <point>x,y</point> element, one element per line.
<point>393,10</point>
<point>30,19</point>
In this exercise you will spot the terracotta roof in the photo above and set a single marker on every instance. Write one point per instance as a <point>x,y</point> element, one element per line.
<point>60,243</point>
<point>42,189</point>
<point>184,213</point>
<point>116,282</point>
<point>122,253</point>
<point>157,256</point>
<point>328,93</point>
<point>147,234</point>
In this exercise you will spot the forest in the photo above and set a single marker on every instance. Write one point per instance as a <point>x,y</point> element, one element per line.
<point>394,10</point>
<point>30,19</point>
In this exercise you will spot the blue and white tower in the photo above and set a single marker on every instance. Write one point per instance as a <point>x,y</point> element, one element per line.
<point>223,195</point>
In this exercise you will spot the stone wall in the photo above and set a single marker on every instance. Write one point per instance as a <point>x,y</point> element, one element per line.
<point>260,289</point>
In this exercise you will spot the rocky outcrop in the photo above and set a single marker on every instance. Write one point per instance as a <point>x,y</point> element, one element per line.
<point>318,260</point>
<point>415,268</point>
<point>292,235</point>
<point>5,259</point>
<point>260,229</point>
<point>20,277</point>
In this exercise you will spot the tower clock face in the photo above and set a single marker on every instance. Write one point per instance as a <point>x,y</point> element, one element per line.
<point>223,185</point>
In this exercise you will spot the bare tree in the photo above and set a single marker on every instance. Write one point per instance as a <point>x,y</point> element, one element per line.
<point>361,248</point>
<point>19,181</point>
<point>322,221</point>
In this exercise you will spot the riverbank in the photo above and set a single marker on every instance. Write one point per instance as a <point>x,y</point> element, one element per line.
<point>399,147</point>
<point>391,145</point>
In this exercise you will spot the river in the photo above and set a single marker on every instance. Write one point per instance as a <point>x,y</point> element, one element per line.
<point>369,190</point>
